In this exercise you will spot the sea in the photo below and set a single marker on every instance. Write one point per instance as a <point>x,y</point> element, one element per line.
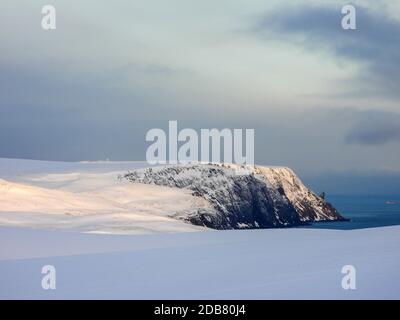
<point>363,211</point>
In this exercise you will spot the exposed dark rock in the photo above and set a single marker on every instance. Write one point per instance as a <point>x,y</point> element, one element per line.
<point>262,198</point>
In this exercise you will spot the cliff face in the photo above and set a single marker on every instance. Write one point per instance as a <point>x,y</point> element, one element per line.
<point>308,205</point>
<point>263,198</point>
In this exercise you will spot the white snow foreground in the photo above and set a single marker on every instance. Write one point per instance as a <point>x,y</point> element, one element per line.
<point>246,264</point>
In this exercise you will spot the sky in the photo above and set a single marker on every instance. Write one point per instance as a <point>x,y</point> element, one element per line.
<point>321,99</point>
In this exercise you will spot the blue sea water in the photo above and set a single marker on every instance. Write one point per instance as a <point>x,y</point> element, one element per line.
<point>363,211</point>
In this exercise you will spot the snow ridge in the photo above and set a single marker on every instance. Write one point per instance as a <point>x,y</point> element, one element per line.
<point>266,197</point>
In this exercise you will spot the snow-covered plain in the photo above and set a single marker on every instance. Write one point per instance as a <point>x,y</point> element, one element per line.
<point>171,264</point>
<point>238,264</point>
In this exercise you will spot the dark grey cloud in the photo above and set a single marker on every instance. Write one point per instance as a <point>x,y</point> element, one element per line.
<point>375,44</point>
<point>55,114</point>
<point>374,128</point>
<point>76,94</point>
<point>52,113</point>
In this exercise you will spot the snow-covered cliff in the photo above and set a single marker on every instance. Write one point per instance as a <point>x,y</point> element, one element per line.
<point>263,197</point>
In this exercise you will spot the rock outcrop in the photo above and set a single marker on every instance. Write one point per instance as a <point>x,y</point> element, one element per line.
<point>257,197</point>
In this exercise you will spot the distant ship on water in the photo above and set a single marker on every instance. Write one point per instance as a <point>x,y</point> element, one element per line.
<point>392,202</point>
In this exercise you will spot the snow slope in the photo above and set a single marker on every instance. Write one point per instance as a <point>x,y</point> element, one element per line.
<point>240,197</point>
<point>88,197</point>
<point>245,264</point>
<point>93,197</point>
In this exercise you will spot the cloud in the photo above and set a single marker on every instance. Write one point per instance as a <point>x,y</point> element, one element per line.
<point>78,94</point>
<point>375,45</point>
<point>62,115</point>
<point>374,128</point>
<point>146,69</point>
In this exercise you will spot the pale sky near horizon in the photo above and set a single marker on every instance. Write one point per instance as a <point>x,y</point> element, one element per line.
<point>319,97</point>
